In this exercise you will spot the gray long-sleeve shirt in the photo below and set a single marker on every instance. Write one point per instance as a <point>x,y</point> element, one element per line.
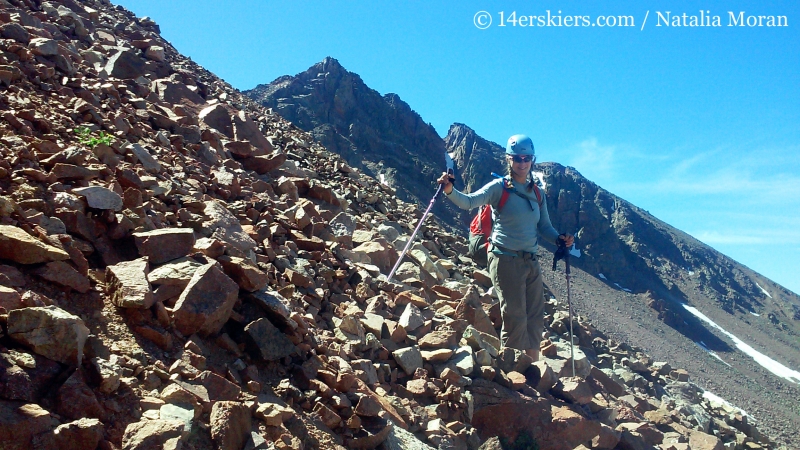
<point>519,223</point>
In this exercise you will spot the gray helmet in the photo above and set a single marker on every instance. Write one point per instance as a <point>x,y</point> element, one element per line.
<point>519,144</point>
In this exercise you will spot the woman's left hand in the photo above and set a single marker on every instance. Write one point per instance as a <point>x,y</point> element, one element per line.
<point>568,239</point>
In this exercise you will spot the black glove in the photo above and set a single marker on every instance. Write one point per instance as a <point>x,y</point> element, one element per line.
<point>561,251</point>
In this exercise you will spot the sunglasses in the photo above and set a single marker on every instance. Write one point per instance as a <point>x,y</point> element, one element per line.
<point>523,158</point>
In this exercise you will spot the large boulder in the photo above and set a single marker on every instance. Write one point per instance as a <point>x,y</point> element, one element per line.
<point>380,253</point>
<point>75,399</point>
<point>270,343</point>
<point>49,331</point>
<point>206,303</point>
<point>264,164</point>
<point>18,246</point>
<point>98,197</point>
<point>65,275</point>
<point>227,227</point>
<point>246,274</point>
<point>165,244</point>
<point>126,64</point>
<point>81,434</point>
<point>553,427</point>
<point>230,425</point>
<point>127,285</point>
<point>155,434</point>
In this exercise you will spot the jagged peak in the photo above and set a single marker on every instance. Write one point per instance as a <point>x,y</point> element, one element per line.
<point>328,65</point>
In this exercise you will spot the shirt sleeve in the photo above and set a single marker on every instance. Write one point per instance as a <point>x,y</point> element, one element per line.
<point>489,194</point>
<point>544,226</point>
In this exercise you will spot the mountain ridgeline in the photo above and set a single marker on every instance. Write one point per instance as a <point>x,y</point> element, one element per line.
<point>378,134</point>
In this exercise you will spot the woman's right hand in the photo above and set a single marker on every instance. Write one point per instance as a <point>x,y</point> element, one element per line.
<point>446,182</point>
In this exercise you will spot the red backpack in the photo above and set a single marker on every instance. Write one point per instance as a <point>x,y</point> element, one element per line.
<point>481,226</point>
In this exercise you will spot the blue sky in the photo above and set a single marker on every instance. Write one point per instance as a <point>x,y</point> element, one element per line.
<point>698,125</point>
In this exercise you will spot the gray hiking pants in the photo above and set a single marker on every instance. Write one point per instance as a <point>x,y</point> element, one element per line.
<point>517,279</point>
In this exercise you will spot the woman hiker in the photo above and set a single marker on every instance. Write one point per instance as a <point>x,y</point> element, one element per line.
<point>514,242</point>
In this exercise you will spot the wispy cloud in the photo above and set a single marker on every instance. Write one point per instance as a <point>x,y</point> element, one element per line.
<point>767,236</point>
<point>592,159</point>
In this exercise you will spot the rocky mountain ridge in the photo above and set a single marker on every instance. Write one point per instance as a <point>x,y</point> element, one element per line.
<point>183,268</point>
<point>379,134</point>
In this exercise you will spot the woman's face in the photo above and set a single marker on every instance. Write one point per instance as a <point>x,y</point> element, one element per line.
<point>520,165</point>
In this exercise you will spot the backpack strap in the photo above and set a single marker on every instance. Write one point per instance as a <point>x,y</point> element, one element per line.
<point>503,199</point>
<point>508,187</point>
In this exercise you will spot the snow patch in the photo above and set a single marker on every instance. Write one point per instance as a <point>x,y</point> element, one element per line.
<point>757,315</point>
<point>714,398</point>
<point>702,345</point>
<point>762,359</point>
<point>763,290</point>
<point>540,176</point>
<point>602,276</point>
<point>624,289</point>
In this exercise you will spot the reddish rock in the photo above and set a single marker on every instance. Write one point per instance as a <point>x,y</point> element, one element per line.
<point>367,407</point>
<point>310,244</point>
<point>327,415</point>
<point>20,422</point>
<point>373,432</point>
<point>65,275</point>
<point>18,246</point>
<point>573,389</point>
<point>553,427</point>
<point>49,331</point>
<point>69,172</point>
<point>75,399</point>
<point>471,310</point>
<point>547,378</point>
<point>609,385</point>
<point>264,164</point>
<point>246,274</point>
<point>218,388</point>
<point>446,338</point>
<point>81,434</point>
<point>127,285</point>
<point>298,279</point>
<point>380,255</point>
<point>10,298</point>
<point>702,441</point>
<point>165,244</point>
<point>608,438</point>
<point>230,425</point>
<point>154,434</point>
<point>206,303</point>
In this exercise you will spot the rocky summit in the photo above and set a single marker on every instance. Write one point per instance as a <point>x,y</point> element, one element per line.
<point>182,268</point>
<point>379,134</point>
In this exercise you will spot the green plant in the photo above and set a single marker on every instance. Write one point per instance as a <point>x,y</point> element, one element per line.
<point>86,137</point>
<point>524,441</point>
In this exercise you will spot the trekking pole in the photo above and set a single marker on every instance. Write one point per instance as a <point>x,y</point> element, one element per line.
<point>563,253</point>
<point>569,305</point>
<point>449,161</point>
